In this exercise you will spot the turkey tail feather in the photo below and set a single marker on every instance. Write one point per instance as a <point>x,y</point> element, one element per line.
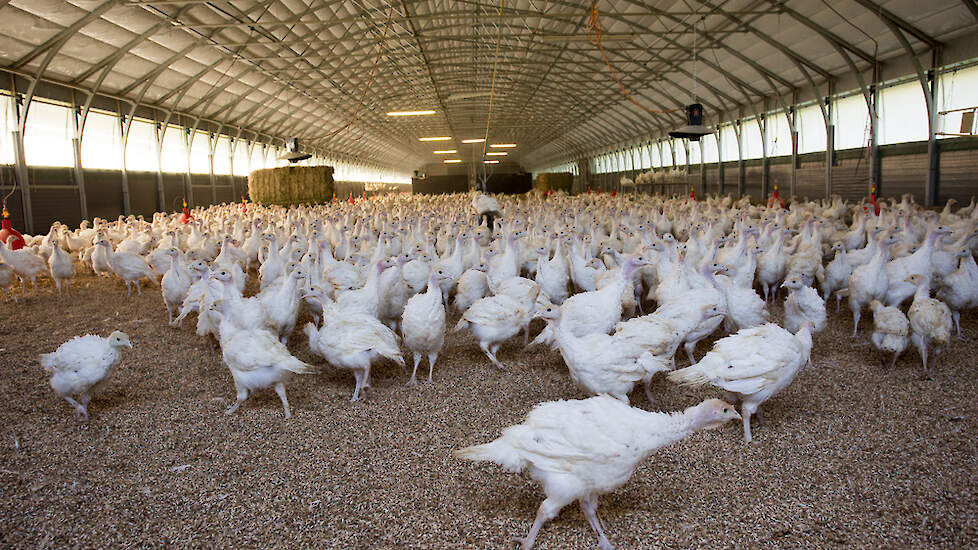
<point>690,376</point>
<point>496,451</point>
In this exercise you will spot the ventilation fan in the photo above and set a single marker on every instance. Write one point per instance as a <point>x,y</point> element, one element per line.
<point>292,153</point>
<point>694,130</point>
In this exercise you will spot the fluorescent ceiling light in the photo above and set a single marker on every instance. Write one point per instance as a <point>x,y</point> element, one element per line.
<point>452,161</point>
<point>445,151</point>
<point>466,95</point>
<point>475,140</point>
<point>502,145</point>
<point>491,161</point>
<point>496,154</point>
<point>409,113</point>
<point>584,38</point>
<point>436,138</point>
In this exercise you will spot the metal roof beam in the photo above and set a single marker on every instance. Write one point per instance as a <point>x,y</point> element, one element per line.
<point>64,34</point>
<point>903,24</point>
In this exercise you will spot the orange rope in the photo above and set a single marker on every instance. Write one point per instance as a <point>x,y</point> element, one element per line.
<point>492,86</point>
<point>370,78</point>
<point>594,33</point>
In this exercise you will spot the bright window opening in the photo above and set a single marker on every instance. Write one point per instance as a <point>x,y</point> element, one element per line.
<point>101,146</point>
<point>47,137</point>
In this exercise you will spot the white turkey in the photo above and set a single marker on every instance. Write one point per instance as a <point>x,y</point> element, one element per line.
<point>603,364</point>
<point>62,268</point>
<point>495,319</point>
<point>802,304</point>
<point>580,450</point>
<point>662,331</point>
<point>129,267</point>
<point>753,365</point>
<point>959,289</point>
<point>82,367</point>
<point>836,274</point>
<point>869,282</point>
<point>930,323</point>
<point>24,262</point>
<point>175,284</point>
<point>423,325</point>
<point>353,341</point>
<point>282,304</point>
<point>891,330</point>
<point>709,294</point>
<point>256,359</point>
<point>598,311</point>
<point>918,263</point>
<point>487,207</point>
<point>472,286</point>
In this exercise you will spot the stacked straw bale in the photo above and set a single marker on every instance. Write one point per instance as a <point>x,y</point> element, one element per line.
<point>291,185</point>
<point>557,181</point>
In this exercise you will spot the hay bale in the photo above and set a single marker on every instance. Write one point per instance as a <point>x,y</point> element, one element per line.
<point>291,185</point>
<point>557,181</point>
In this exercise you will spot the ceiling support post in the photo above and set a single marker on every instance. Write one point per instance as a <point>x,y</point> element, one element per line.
<point>158,150</point>
<point>829,117</point>
<point>765,160</point>
<point>77,171</point>
<point>933,149</point>
<point>20,168</point>
<point>741,172</point>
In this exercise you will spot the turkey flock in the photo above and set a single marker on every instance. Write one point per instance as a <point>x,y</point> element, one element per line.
<point>621,283</point>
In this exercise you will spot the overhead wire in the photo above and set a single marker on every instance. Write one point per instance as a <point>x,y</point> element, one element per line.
<point>594,33</point>
<point>869,121</point>
<point>370,77</point>
<point>492,90</point>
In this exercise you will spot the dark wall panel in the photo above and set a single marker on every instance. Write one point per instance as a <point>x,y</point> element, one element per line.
<point>240,188</point>
<point>509,183</point>
<point>202,196</point>
<point>143,194</point>
<point>103,189</point>
<point>810,178</point>
<point>752,185</point>
<point>959,175</point>
<point>780,175</point>
<point>904,174</point>
<point>436,185</point>
<point>345,188</point>
<point>51,204</point>
<point>173,191</point>
<point>225,193</point>
<point>51,175</point>
<point>850,178</point>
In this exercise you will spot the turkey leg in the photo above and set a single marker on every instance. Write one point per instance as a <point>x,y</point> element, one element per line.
<point>589,505</point>
<point>548,510</point>
<point>280,390</point>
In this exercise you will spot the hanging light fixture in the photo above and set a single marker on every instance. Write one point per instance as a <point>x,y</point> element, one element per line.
<point>694,129</point>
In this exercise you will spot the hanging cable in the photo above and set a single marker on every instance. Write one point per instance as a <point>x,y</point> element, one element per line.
<point>594,32</point>
<point>874,86</point>
<point>702,19</point>
<point>370,78</point>
<point>492,90</point>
